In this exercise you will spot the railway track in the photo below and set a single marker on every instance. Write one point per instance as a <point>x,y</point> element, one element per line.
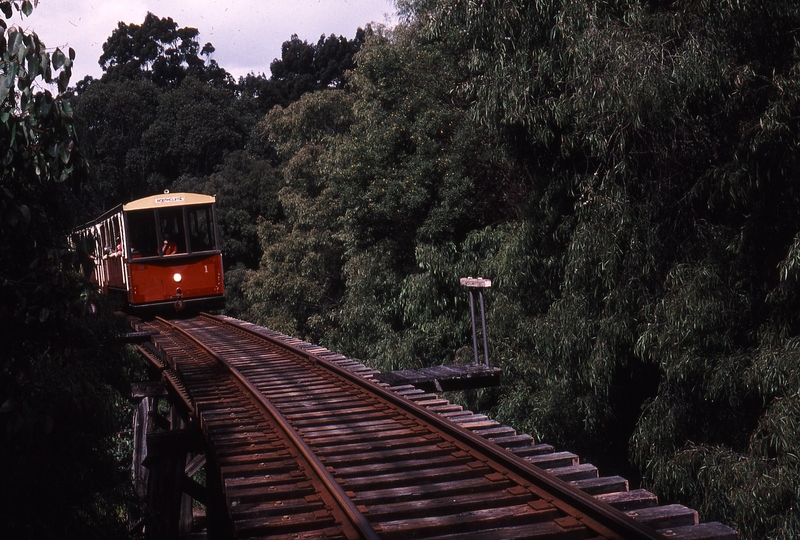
<point>306,444</point>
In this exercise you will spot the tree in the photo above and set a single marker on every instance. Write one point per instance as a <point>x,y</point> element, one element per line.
<point>111,118</point>
<point>159,51</point>
<point>414,180</point>
<point>195,125</point>
<point>159,112</point>
<point>334,56</point>
<point>298,281</point>
<point>61,382</point>
<point>40,164</point>
<point>303,68</point>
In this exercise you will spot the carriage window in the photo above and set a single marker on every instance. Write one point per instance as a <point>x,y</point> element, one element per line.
<point>201,228</point>
<point>142,233</point>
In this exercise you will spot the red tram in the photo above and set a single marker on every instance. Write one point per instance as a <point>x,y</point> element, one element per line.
<point>157,253</point>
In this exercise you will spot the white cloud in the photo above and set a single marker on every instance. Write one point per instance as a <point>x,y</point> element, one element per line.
<point>246,34</point>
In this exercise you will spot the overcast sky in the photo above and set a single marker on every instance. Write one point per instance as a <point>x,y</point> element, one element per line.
<point>247,34</point>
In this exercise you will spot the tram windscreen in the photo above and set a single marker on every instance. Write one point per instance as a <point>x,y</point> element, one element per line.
<point>142,236</point>
<point>172,231</point>
<point>146,240</point>
<point>201,228</point>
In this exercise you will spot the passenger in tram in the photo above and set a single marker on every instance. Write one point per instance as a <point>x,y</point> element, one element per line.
<point>168,247</point>
<point>117,250</point>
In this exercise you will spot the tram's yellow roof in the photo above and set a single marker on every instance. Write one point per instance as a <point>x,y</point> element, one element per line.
<point>165,200</point>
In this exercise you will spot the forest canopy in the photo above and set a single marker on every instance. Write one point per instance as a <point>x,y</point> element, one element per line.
<point>622,170</point>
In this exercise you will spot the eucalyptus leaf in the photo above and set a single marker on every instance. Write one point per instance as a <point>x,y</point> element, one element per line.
<point>34,65</point>
<point>44,106</point>
<point>57,58</point>
<point>14,41</point>
<point>11,74</point>
<point>64,151</point>
<point>23,83</point>
<point>63,80</point>
<point>22,52</point>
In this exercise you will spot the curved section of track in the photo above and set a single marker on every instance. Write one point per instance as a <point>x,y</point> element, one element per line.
<point>307,449</point>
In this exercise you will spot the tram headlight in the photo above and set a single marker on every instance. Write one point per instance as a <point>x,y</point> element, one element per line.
<point>177,277</point>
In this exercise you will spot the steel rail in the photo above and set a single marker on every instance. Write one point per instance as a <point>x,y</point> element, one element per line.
<point>563,495</point>
<point>355,517</point>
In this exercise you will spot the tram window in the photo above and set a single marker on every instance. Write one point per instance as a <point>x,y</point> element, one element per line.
<point>171,223</point>
<point>97,250</point>
<point>116,236</point>
<point>105,240</point>
<point>201,228</point>
<point>142,235</point>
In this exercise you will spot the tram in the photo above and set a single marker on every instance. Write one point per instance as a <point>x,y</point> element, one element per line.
<point>159,253</point>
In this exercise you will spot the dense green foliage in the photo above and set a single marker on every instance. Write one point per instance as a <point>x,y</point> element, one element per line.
<point>672,132</point>
<point>62,380</point>
<point>621,169</point>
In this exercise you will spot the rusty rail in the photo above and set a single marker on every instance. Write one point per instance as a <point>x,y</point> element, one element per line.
<point>384,466</point>
<point>564,496</point>
<point>323,480</point>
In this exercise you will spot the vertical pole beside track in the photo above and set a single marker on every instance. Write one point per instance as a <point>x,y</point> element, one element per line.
<point>479,284</point>
<point>485,339</point>
<point>474,332</point>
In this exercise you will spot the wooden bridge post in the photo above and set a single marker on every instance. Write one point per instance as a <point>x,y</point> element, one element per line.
<point>219,524</point>
<point>178,422</point>
<point>145,395</point>
<point>165,450</point>
<point>170,506</point>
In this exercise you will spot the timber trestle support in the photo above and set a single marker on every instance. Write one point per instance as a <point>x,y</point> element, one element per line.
<point>169,469</point>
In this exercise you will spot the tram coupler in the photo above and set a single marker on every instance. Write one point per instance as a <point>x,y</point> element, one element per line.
<point>179,304</point>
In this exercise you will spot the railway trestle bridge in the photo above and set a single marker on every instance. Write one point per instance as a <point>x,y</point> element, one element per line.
<point>243,432</point>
